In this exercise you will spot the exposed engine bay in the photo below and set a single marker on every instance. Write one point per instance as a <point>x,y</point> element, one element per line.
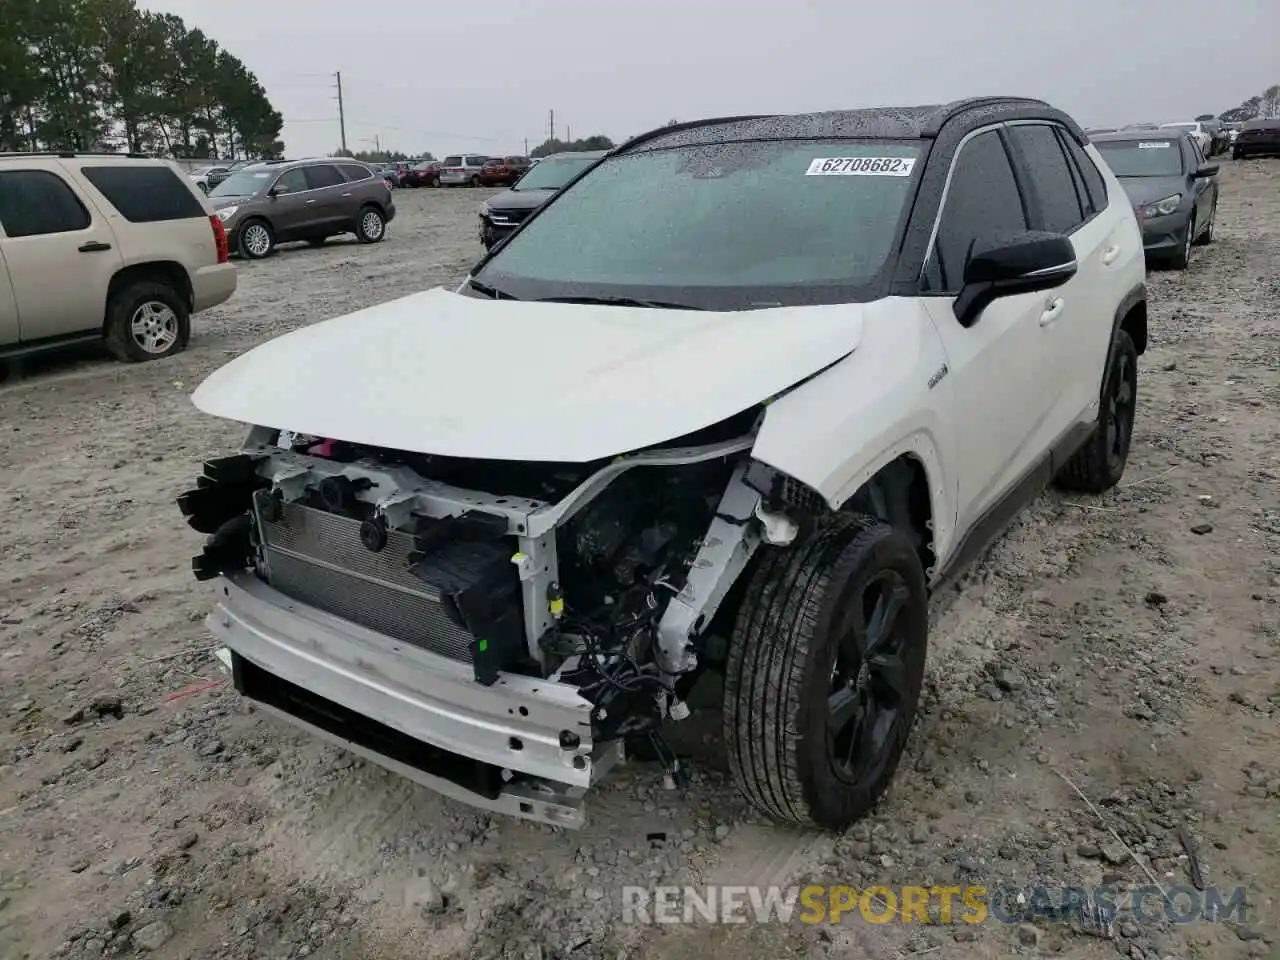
<point>600,577</point>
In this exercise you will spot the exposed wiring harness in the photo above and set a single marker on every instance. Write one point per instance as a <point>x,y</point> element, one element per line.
<point>606,654</point>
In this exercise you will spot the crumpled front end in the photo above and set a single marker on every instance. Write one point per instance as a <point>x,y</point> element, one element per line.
<point>501,646</point>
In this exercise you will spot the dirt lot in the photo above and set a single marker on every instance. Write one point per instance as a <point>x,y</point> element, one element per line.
<point>1128,645</point>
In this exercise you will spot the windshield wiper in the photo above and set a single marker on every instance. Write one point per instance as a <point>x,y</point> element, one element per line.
<point>489,291</point>
<point>621,302</point>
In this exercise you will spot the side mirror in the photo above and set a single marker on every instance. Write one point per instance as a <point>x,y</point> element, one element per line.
<point>1021,263</point>
<point>1210,171</point>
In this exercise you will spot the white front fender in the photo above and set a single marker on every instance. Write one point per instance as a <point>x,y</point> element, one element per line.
<point>889,398</point>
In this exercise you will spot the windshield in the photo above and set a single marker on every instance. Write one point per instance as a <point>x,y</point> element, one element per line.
<point>553,174</point>
<point>1142,158</point>
<point>723,225</point>
<point>244,183</point>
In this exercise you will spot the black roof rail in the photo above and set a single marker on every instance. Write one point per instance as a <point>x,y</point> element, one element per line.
<point>69,154</point>
<point>949,111</point>
<point>687,125</point>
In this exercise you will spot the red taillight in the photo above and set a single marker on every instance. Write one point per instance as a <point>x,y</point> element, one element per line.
<point>220,239</point>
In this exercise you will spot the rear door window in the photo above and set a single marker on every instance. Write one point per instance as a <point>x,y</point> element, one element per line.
<point>1095,186</point>
<point>323,175</point>
<point>453,161</point>
<point>476,161</point>
<point>982,200</point>
<point>145,194</point>
<point>354,171</point>
<point>1060,210</point>
<point>36,202</point>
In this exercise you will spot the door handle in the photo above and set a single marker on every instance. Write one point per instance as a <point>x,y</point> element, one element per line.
<point>94,246</point>
<point>1052,311</point>
<point>310,201</point>
<point>346,194</point>
<point>1109,255</point>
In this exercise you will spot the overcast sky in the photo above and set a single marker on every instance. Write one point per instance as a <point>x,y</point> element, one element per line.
<point>482,76</point>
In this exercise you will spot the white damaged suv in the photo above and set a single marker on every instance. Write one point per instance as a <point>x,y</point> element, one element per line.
<point>738,398</point>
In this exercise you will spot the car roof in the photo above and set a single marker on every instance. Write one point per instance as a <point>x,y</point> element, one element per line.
<point>1162,134</point>
<point>72,155</point>
<point>880,123</point>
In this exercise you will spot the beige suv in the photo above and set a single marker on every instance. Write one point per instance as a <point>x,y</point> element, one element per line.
<point>109,246</point>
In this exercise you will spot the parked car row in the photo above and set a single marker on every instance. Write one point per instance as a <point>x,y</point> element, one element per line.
<point>1261,137</point>
<point>1173,187</point>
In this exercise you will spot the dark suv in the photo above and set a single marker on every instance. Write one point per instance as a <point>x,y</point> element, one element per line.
<point>501,214</point>
<point>1257,138</point>
<point>276,202</point>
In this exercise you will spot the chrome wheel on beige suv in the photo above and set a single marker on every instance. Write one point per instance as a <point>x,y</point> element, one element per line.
<point>146,321</point>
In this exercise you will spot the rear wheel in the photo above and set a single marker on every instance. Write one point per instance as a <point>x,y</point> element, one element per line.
<point>147,320</point>
<point>372,226</point>
<point>824,672</point>
<point>475,181</point>
<point>1098,465</point>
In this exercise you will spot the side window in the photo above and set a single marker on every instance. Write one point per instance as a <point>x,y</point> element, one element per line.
<point>353,171</point>
<point>1051,182</point>
<point>291,181</point>
<point>982,200</point>
<point>323,175</point>
<point>145,194</point>
<point>1196,151</point>
<point>1095,186</point>
<point>1077,178</point>
<point>34,202</point>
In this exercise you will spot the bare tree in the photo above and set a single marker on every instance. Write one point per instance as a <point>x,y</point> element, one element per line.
<point>1271,100</point>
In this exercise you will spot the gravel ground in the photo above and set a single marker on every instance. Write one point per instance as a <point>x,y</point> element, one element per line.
<point>1126,645</point>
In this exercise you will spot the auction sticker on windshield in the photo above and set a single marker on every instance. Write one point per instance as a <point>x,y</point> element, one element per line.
<point>1154,145</point>
<point>861,167</point>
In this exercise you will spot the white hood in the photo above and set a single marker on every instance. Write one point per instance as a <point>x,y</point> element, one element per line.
<point>442,373</point>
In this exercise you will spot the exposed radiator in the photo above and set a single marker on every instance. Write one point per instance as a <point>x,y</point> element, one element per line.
<point>317,559</point>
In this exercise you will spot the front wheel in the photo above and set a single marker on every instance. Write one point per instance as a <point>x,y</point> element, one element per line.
<point>1098,465</point>
<point>257,241</point>
<point>1210,230</point>
<point>824,672</point>
<point>1182,259</point>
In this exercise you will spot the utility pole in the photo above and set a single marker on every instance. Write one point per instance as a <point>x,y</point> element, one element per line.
<point>526,146</point>
<point>552,135</point>
<point>342,119</point>
<point>568,134</point>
